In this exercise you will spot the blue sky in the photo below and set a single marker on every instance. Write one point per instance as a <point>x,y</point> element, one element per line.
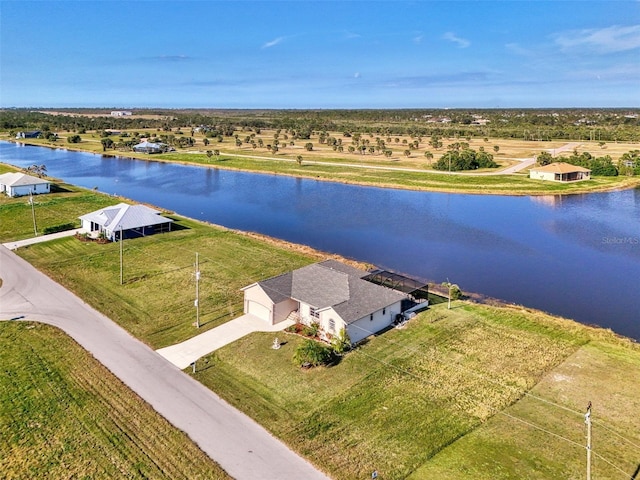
<point>321,54</point>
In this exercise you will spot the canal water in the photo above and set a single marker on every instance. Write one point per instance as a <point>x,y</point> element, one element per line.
<point>577,256</point>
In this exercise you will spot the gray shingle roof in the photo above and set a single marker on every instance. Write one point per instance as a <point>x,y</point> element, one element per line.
<point>332,284</point>
<point>17,179</point>
<point>126,216</point>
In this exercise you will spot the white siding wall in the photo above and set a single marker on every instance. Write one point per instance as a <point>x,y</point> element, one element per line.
<point>542,175</point>
<point>326,316</point>
<point>364,326</point>
<point>22,190</point>
<point>256,294</point>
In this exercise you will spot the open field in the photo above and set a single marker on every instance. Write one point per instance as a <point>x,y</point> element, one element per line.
<point>428,400</point>
<point>512,443</point>
<point>63,415</point>
<point>352,167</point>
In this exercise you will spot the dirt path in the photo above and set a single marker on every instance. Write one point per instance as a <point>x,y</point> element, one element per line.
<point>241,446</point>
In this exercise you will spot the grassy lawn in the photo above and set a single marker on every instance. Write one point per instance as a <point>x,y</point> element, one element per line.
<point>156,302</point>
<point>64,205</point>
<point>409,397</point>
<point>506,447</point>
<point>63,415</point>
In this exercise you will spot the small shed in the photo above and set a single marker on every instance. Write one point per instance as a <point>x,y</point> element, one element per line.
<point>17,184</point>
<point>560,172</point>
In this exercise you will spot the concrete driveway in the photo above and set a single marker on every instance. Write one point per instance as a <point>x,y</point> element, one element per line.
<point>241,446</point>
<point>184,354</point>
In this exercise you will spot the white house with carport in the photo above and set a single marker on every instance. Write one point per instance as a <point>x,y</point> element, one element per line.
<point>150,147</point>
<point>16,184</point>
<point>132,220</point>
<point>330,293</point>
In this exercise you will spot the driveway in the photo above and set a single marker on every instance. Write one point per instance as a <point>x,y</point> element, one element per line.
<point>184,354</point>
<point>241,446</point>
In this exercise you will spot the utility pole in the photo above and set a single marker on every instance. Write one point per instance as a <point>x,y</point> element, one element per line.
<point>587,420</point>
<point>197,302</point>
<point>121,239</point>
<point>33,214</point>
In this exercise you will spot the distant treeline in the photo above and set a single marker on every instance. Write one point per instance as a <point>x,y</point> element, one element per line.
<point>606,125</point>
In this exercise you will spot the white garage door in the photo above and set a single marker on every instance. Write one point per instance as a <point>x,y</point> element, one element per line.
<point>259,311</point>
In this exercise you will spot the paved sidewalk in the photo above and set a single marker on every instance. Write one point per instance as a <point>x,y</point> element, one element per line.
<point>184,354</point>
<point>41,238</point>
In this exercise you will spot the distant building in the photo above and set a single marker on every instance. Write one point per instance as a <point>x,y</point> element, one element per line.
<point>18,184</point>
<point>121,113</point>
<point>150,147</point>
<point>31,134</point>
<point>133,220</point>
<point>560,172</point>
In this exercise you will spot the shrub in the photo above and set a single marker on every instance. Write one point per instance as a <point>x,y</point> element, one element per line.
<point>341,342</point>
<point>58,228</point>
<point>312,353</point>
<point>311,330</point>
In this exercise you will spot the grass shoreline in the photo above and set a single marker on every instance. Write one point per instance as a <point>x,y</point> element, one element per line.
<point>431,181</point>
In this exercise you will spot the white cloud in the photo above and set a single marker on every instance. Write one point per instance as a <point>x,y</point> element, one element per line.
<point>518,50</point>
<point>452,37</point>
<point>601,40</point>
<point>272,43</point>
<point>418,39</point>
<point>356,75</point>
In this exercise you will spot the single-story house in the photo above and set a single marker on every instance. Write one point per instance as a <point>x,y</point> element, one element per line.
<point>330,293</point>
<point>150,147</point>
<point>560,172</point>
<point>17,184</point>
<point>31,134</point>
<point>133,220</point>
<point>121,113</point>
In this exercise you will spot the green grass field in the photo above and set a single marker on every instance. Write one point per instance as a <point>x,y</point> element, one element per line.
<point>156,302</point>
<point>63,415</point>
<point>64,205</point>
<point>427,401</point>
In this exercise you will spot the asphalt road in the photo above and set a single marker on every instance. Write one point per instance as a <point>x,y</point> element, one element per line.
<point>241,446</point>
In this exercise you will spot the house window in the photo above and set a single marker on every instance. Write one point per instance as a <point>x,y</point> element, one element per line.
<point>384,310</point>
<point>313,312</point>
<point>332,325</point>
<point>371,317</point>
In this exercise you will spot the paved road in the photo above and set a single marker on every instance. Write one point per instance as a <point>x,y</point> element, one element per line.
<point>241,446</point>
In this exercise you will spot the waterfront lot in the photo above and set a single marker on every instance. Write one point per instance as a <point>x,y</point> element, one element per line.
<point>445,397</point>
